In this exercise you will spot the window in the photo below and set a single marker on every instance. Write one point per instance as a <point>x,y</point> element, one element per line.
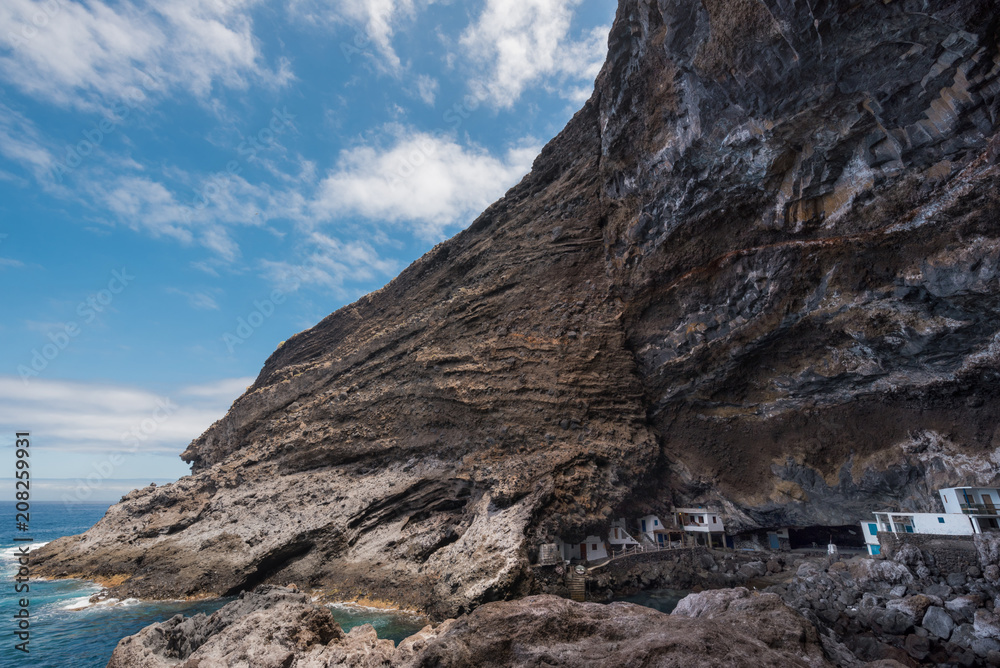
<point>594,546</point>
<point>656,523</point>
<point>876,549</point>
<point>908,528</point>
<point>940,520</point>
<point>872,528</point>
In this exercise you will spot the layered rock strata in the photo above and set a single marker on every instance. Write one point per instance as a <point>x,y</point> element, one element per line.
<point>758,269</point>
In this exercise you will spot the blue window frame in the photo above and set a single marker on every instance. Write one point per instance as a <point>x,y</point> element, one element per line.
<point>909,529</point>
<point>940,520</point>
<point>876,549</point>
<point>872,528</point>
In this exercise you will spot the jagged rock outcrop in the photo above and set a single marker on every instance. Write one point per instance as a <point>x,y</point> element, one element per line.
<point>275,628</point>
<point>758,268</point>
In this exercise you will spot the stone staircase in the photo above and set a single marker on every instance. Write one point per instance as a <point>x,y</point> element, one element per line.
<point>577,584</point>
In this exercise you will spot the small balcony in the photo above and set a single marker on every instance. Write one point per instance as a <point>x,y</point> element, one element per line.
<point>978,509</point>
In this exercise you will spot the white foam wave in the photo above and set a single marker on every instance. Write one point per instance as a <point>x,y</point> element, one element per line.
<point>77,603</point>
<point>15,551</point>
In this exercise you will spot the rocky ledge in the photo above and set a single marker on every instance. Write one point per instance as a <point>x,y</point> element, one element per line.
<point>275,627</point>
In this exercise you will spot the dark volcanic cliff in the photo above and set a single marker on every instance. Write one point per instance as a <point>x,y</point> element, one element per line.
<point>759,268</point>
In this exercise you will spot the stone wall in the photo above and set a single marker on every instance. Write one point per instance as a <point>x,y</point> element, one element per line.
<point>951,554</point>
<point>549,554</point>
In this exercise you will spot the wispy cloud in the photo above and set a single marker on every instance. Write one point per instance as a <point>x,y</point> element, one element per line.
<point>22,143</point>
<point>143,203</point>
<point>199,301</point>
<point>93,55</point>
<point>330,263</point>
<point>94,417</point>
<point>378,21</point>
<point>427,88</point>
<point>520,43</point>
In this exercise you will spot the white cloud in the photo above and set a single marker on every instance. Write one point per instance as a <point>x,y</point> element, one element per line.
<point>377,19</point>
<point>520,43</point>
<point>199,301</point>
<point>10,263</point>
<point>95,55</point>
<point>21,142</point>
<point>427,88</point>
<point>92,417</point>
<point>331,264</point>
<point>428,180</point>
<point>218,203</point>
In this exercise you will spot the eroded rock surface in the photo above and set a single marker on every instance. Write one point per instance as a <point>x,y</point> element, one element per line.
<point>759,268</point>
<point>276,628</point>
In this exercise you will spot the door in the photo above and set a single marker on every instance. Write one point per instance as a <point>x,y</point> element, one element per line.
<point>644,526</point>
<point>988,502</point>
<point>773,537</point>
<point>583,551</point>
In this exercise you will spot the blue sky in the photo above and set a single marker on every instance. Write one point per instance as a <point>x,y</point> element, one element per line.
<point>184,184</point>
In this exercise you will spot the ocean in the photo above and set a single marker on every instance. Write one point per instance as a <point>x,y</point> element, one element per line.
<point>67,632</point>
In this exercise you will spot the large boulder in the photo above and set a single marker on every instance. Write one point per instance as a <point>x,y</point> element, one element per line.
<point>869,572</point>
<point>988,548</point>
<point>986,624</point>
<point>913,607</point>
<point>277,628</point>
<point>910,556</point>
<point>763,616</point>
<point>964,606</point>
<point>938,622</point>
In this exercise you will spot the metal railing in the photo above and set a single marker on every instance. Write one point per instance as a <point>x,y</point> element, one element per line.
<point>978,509</point>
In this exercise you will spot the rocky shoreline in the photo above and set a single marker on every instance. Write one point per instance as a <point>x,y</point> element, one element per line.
<point>275,627</point>
<point>757,609</point>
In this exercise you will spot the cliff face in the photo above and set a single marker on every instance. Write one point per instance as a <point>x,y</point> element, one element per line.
<point>759,268</point>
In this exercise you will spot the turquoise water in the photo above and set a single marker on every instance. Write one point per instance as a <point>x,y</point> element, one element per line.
<point>64,634</point>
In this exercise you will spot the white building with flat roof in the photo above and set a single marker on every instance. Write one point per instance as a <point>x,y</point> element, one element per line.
<point>704,523</point>
<point>619,537</point>
<point>967,511</point>
<point>592,549</point>
<point>980,504</point>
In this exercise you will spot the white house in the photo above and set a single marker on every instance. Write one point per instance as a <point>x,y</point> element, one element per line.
<point>967,511</point>
<point>981,504</point>
<point>592,549</point>
<point>702,522</point>
<point>618,538</point>
<point>699,520</point>
<point>648,525</point>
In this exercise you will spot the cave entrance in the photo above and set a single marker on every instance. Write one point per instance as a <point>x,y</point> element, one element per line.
<point>847,535</point>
